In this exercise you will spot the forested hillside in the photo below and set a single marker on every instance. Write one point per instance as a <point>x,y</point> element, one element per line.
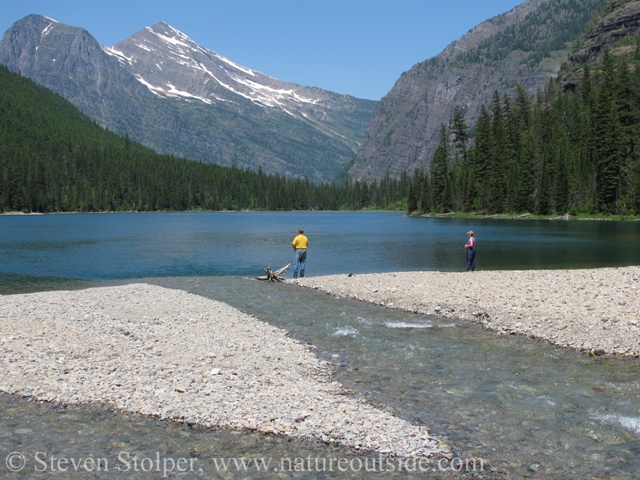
<point>53,158</point>
<point>574,151</point>
<point>525,46</point>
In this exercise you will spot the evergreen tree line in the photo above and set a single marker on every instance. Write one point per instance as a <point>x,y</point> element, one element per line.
<point>53,158</point>
<point>564,152</point>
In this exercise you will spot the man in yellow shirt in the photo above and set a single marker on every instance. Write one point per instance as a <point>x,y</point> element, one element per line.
<point>300,244</point>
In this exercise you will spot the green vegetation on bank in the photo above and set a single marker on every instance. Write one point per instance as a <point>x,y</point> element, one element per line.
<point>53,158</point>
<point>566,152</point>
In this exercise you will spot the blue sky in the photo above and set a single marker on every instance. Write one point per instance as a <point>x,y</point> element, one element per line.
<point>357,47</point>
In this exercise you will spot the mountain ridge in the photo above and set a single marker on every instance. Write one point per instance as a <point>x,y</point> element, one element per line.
<point>613,30</point>
<point>402,134</point>
<point>313,141</point>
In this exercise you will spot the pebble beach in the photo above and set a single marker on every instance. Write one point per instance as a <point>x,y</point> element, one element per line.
<point>180,357</point>
<point>592,310</point>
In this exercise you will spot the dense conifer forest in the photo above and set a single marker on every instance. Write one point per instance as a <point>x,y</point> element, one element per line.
<point>570,152</point>
<point>55,159</point>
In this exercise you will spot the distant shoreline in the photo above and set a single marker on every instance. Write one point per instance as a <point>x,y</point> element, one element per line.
<point>453,215</point>
<point>528,216</point>
<point>365,210</point>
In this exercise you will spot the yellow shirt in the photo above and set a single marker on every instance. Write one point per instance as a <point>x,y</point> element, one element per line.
<point>300,242</point>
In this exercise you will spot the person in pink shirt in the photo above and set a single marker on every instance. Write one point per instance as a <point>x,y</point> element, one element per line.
<point>471,252</point>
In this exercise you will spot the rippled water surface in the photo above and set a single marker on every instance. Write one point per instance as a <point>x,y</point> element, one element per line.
<point>527,409</point>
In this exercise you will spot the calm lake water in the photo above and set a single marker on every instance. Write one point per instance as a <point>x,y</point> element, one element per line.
<point>528,409</point>
<point>45,249</point>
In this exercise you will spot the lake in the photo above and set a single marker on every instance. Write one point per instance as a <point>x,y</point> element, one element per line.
<point>42,251</point>
<point>529,409</point>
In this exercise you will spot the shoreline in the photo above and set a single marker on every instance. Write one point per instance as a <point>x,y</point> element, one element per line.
<point>453,215</point>
<point>528,216</point>
<point>176,356</point>
<point>596,311</point>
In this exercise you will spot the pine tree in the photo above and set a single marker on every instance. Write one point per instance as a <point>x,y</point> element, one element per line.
<point>482,159</point>
<point>460,132</point>
<point>526,179</point>
<point>498,164</point>
<point>607,137</point>
<point>439,168</point>
<point>412,199</point>
<point>627,93</point>
<point>425,194</point>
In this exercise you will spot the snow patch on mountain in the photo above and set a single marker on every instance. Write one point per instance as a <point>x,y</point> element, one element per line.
<point>273,94</point>
<point>143,47</point>
<point>179,40</point>
<point>171,92</point>
<point>47,29</point>
<point>233,64</point>
<point>122,58</point>
<point>153,89</point>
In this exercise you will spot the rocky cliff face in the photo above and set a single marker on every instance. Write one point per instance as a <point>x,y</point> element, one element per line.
<point>167,92</point>
<point>69,61</point>
<point>619,21</point>
<point>524,46</point>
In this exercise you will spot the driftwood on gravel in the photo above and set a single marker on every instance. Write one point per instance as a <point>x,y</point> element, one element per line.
<point>274,276</point>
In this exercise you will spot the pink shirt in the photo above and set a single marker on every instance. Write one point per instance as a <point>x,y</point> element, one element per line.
<point>471,242</point>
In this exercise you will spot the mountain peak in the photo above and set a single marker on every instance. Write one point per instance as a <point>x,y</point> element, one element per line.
<point>168,28</point>
<point>36,23</point>
<point>170,64</point>
<point>172,36</point>
<point>165,90</point>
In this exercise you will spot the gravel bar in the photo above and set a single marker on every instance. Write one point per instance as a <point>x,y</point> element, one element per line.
<point>178,356</point>
<point>592,310</point>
